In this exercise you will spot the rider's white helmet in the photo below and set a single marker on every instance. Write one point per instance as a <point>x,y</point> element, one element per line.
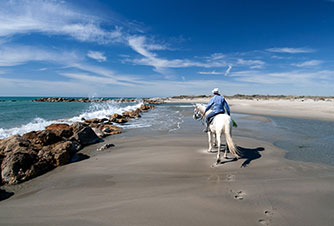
<point>215,90</point>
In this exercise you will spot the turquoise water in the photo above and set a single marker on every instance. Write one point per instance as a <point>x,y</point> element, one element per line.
<point>303,139</point>
<point>19,115</point>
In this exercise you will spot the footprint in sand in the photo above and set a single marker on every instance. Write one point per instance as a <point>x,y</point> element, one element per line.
<point>230,177</point>
<point>265,222</point>
<point>269,214</point>
<point>239,195</point>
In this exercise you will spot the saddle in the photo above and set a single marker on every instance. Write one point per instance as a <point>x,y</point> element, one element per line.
<point>213,117</point>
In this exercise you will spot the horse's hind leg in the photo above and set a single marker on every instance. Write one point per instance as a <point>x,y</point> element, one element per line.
<point>210,142</point>
<point>226,151</point>
<point>214,140</point>
<point>218,137</point>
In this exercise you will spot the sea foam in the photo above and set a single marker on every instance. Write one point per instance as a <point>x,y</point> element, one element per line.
<point>95,110</point>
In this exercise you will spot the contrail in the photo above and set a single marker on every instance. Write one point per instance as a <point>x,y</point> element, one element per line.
<point>228,70</point>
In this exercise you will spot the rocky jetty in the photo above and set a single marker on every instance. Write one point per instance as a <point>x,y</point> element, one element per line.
<point>37,152</point>
<point>99,100</point>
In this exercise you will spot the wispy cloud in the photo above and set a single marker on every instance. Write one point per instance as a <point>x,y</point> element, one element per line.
<point>52,17</point>
<point>216,72</point>
<point>96,55</point>
<point>211,72</point>
<point>293,78</point>
<point>253,64</point>
<point>310,63</point>
<point>290,50</point>
<point>141,45</point>
<point>12,55</point>
<point>91,79</point>
<point>216,56</point>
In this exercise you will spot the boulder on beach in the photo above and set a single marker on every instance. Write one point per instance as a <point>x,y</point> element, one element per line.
<point>98,132</point>
<point>34,153</point>
<point>17,166</point>
<point>14,144</point>
<point>84,134</point>
<point>61,129</point>
<point>42,138</point>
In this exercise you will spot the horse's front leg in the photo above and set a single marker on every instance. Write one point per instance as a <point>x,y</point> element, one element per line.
<point>214,140</point>
<point>218,137</point>
<point>210,141</point>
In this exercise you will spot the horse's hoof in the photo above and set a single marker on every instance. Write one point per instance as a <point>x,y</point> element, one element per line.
<point>218,161</point>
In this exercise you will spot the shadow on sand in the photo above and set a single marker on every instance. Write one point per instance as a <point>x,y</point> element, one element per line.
<point>249,154</point>
<point>5,194</point>
<point>79,157</point>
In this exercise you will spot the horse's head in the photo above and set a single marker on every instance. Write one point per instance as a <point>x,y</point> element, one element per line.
<point>197,113</point>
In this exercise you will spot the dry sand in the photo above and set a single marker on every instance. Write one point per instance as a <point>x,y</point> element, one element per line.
<point>168,180</point>
<point>296,108</point>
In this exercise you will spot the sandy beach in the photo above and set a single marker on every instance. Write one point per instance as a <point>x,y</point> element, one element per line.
<point>168,179</point>
<point>297,108</point>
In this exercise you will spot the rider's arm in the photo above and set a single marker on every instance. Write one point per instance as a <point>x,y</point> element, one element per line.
<point>209,105</point>
<point>226,107</point>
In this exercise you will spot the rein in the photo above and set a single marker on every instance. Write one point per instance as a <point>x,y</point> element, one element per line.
<point>198,116</point>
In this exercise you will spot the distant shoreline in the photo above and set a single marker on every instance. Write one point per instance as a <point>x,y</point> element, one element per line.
<point>315,108</point>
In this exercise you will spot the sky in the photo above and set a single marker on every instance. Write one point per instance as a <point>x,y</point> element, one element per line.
<point>152,48</point>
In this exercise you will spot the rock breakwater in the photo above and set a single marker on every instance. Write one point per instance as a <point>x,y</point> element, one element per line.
<point>26,156</point>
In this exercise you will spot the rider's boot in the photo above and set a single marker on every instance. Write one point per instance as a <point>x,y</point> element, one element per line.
<point>206,128</point>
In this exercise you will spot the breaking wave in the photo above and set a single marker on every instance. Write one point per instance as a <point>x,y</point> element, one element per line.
<point>95,110</point>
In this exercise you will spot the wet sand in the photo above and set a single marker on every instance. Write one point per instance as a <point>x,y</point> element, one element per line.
<point>169,180</point>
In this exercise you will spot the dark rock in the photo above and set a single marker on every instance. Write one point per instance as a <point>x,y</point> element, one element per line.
<point>76,146</point>
<point>61,129</point>
<point>58,126</point>
<point>14,144</point>
<point>17,167</point>
<point>62,153</point>
<point>42,138</point>
<point>98,132</point>
<point>84,134</point>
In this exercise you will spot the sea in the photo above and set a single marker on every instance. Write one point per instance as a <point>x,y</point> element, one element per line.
<point>303,139</point>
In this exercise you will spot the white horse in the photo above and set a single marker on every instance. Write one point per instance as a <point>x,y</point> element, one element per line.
<point>221,124</point>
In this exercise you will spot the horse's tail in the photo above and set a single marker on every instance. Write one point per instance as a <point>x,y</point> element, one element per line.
<point>228,134</point>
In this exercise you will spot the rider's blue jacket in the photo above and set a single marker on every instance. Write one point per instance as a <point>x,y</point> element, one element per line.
<point>218,102</point>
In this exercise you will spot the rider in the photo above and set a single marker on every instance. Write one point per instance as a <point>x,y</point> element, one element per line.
<point>219,103</point>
